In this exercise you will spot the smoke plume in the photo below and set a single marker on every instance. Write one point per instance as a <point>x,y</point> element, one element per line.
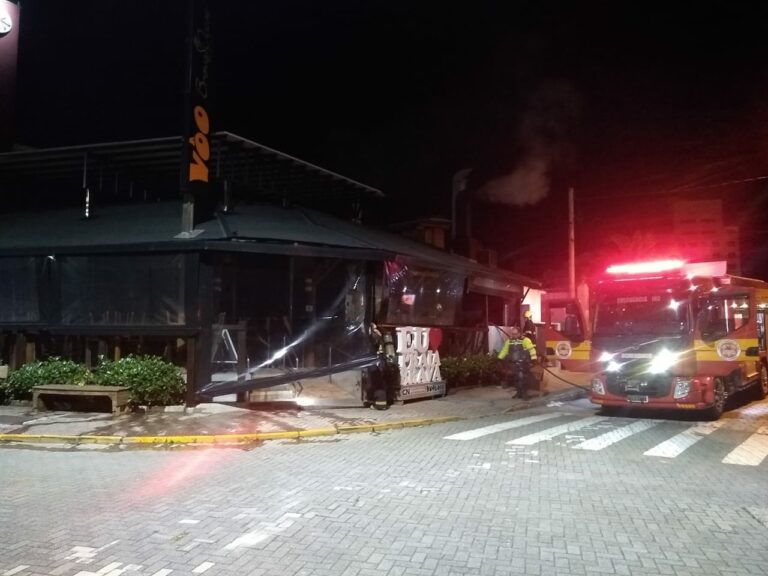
<point>543,140</point>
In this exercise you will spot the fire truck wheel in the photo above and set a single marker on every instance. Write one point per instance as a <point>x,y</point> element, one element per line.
<point>721,395</point>
<point>761,389</point>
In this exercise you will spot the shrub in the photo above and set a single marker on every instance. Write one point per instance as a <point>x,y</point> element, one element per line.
<point>477,369</point>
<point>152,381</point>
<point>51,371</point>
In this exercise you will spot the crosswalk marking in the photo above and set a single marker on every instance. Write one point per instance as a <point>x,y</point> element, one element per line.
<point>752,451</point>
<point>755,411</point>
<point>600,442</point>
<point>486,430</point>
<point>550,433</point>
<point>680,442</point>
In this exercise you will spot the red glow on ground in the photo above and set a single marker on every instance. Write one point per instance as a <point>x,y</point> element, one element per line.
<point>646,267</point>
<point>183,468</point>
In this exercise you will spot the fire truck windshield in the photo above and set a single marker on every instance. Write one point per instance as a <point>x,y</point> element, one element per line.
<point>659,314</point>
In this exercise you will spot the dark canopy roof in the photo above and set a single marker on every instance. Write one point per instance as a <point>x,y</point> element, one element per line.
<point>260,228</point>
<point>49,184</point>
<point>258,170</point>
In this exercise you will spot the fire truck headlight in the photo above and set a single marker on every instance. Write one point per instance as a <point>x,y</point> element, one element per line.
<point>682,389</point>
<point>613,367</point>
<point>597,386</point>
<point>662,362</point>
<point>606,357</point>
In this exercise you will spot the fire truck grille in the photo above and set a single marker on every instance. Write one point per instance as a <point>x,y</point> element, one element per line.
<point>652,386</point>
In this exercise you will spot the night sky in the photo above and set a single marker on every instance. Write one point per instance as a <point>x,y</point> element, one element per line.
<point>628,103</point>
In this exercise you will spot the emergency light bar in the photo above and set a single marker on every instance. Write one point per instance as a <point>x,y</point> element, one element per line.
<point>646,267</point>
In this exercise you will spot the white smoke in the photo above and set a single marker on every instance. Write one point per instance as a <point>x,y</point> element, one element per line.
<point>525,186</point>
<point>542,140</point>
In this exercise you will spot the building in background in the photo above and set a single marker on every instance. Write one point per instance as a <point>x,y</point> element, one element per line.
<point>701,234</point>
<point>277,286</point>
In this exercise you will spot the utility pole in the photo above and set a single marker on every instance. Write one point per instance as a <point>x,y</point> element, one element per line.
<point>571,247</point>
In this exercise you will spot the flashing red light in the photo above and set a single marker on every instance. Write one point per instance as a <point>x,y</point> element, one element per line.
<point>646,267</point>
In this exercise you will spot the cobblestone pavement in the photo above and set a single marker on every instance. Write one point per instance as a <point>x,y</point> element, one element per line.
<point>549,491</point>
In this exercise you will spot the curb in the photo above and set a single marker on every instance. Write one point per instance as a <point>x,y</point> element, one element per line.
<point>221,439</point>
<point>241,439</point>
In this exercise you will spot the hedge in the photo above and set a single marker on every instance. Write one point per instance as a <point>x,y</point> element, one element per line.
<point>151,380</point>
<point>474,370</point>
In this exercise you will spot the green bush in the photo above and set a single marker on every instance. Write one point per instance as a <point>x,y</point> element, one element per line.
<point>474,370</point>
<point>152,381</point>
<point>51,371</point>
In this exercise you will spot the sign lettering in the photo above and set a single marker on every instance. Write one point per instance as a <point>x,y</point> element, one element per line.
<point>201,148</point>
<point>418,364</point>
<point>197,117</point>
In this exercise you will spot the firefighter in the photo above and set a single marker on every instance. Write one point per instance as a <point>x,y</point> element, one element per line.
<point>529,328</point>
<point>519,353</point>
<point>381,378</point>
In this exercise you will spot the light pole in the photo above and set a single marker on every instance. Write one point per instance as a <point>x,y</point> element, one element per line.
<point>571,247</point>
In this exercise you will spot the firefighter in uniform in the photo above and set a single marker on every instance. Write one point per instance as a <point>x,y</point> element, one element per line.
<point>519,353</point>
<point>529,328</point>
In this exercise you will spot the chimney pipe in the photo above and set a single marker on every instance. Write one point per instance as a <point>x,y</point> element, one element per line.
<point>460,211</point>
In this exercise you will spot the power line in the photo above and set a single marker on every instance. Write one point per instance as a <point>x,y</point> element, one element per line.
<point>673,190</point>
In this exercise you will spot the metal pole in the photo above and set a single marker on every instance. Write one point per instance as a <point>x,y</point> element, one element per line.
<point>571,247</point>
<point>87,211</point>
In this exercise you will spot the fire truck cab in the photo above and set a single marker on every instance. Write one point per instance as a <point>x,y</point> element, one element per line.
<point>677,335</point>
<point>565,334</point>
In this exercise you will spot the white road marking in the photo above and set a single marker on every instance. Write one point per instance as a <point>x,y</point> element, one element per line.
<point>680,442</point>
<point>550,433</point>
<point>486,430</point>
<point>188,521</point>
<point>754,411</point>
<point>82,554</point>
<point>163,572</point>
<point>600,442</point>
<point>16,570</point>
<point>250,539</point>
<point>202,568</point>
<point>752,451</point>
<point>112,569</point>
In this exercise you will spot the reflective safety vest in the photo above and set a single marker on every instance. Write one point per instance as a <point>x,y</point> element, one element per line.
<point>518,350</point>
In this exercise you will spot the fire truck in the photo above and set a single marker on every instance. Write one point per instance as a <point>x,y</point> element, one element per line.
<point>565,334</point>
<point>676,335</point>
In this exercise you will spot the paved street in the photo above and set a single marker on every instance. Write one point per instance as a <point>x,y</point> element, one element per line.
<point>558,490</point>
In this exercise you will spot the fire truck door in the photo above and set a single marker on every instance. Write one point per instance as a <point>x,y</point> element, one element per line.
<point>565,334</point>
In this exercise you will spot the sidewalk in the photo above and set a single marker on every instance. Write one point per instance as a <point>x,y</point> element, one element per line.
<point>224,424</point>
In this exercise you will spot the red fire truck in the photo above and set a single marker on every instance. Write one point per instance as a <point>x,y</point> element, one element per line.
<point>677,335</point>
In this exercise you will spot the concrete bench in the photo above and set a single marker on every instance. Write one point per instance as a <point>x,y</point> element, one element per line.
<point>118,395</point>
